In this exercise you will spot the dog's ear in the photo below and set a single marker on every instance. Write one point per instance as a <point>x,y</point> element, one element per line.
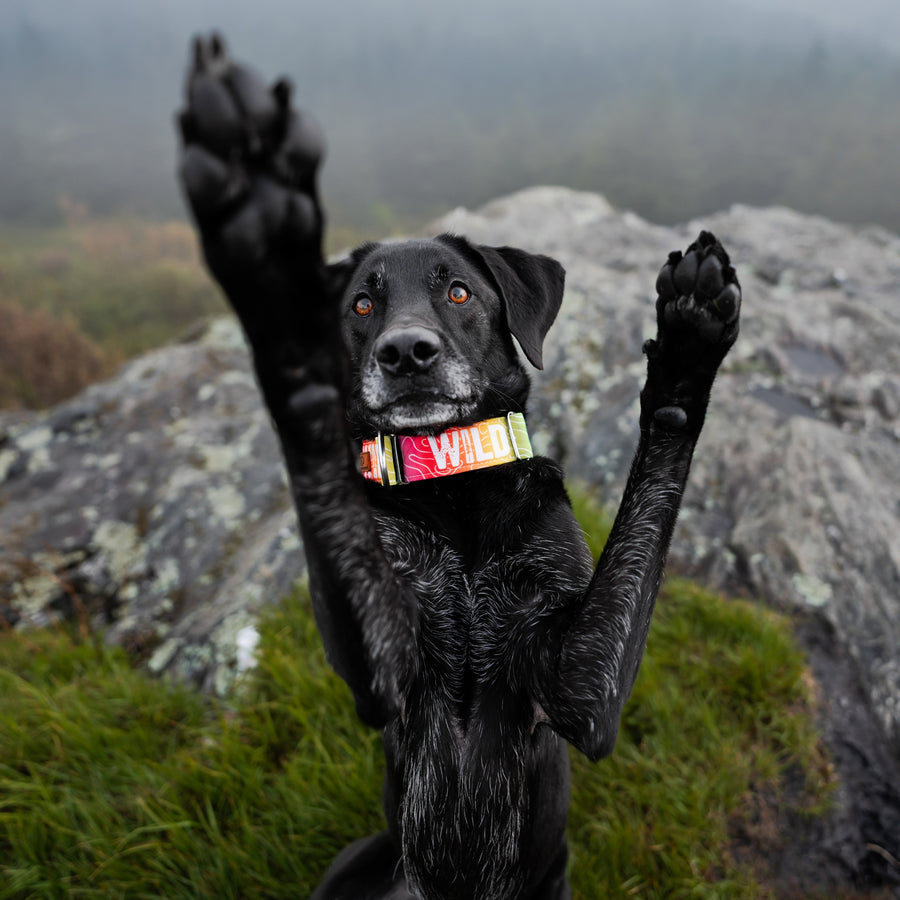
<point>530,286</point>
<point>339,273</point>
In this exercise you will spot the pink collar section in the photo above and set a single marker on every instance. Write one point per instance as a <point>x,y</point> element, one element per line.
<point>392,459</point>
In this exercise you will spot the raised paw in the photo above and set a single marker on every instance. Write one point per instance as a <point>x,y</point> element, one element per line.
<point>697,315</point>
<point>699,293</point>
<point>248,167</point>
<point>248,164</point>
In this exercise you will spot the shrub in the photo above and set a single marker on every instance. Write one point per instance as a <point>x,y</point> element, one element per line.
<point>43,360</point>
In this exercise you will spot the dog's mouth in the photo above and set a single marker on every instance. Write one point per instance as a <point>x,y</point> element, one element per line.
<point>421,413</point>
<point>427,403</point>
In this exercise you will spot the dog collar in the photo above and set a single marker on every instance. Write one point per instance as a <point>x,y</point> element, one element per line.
<point>392,459</point>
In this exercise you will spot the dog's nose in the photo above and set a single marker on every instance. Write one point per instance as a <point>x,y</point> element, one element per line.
<point>407,350</point>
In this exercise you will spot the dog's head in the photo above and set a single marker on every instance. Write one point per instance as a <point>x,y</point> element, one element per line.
<point>429,327</point>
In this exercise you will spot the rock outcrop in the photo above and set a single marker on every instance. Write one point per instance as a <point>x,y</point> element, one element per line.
<point>155,505</point>
<point>794,495</point>
<point>156,502</point>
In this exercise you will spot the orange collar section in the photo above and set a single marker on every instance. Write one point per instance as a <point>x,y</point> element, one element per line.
<point>392,459</point>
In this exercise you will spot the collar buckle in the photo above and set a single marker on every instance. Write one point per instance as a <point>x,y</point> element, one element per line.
<point>385,465</point>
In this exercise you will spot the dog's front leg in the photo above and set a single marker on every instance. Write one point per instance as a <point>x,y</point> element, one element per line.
<point>248,169</point>
<point>601,649</point>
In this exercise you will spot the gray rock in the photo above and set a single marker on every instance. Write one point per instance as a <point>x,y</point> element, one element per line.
<point>794,496</point>
<point>156,503</point>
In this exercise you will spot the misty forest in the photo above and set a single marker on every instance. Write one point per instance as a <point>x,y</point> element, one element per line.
<point>671,113</point>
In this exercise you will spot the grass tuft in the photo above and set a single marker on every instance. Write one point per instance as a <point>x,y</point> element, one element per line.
<point>113,784</point>
<point>719,712</point>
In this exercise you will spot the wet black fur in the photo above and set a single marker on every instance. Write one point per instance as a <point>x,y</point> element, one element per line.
<point>464,612</point>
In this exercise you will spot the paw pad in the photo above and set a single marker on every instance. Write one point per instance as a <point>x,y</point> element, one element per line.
<point>699,291</point>
<point>672,417</point>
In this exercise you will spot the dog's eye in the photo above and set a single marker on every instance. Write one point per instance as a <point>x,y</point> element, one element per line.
<point>363,305</point>
<point>458,292</point>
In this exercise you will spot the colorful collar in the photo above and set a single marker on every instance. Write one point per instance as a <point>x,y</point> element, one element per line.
<point>392,459</point>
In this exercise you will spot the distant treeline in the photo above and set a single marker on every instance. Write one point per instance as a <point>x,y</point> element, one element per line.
<point>424,112</point>
<point>77,300</point>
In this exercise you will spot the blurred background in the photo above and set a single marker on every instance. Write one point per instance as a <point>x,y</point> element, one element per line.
<point>672,111</point>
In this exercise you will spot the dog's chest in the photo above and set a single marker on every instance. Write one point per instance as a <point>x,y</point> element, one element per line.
<point>479,604</point>
<point>485,569</point>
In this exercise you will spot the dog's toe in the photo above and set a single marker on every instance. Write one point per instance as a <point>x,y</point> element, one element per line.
<point>728,303</point>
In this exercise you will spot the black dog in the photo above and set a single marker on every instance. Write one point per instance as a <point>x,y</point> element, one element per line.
<point>460,608</point>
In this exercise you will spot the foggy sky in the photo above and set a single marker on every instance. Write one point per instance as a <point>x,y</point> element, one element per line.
<point>88,89</point>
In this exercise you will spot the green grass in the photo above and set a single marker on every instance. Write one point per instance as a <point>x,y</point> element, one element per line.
<point>718,711</point>
<point>115,785</point>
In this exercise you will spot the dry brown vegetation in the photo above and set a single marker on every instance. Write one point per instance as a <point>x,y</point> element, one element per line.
<point>80,298</point>
<point>43,359</point>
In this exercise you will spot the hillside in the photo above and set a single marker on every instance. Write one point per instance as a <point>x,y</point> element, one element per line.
<point>154,503</point>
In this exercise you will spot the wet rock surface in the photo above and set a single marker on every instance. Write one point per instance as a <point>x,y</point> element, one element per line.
<point>794,495</point>
<point>156,505</point>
